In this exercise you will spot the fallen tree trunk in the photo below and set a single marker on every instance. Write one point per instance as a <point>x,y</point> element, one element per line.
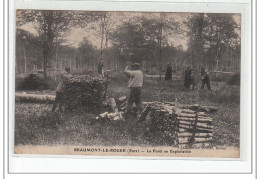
<point>34,98</point>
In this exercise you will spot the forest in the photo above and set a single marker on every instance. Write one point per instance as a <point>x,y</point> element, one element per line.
<point>48,41</point>
<point>44,41</point>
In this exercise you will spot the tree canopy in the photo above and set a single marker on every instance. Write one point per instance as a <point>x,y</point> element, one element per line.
<point>209,40</point>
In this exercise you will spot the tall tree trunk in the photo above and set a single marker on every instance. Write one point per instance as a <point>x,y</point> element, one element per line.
<point>231,59</point>
<point>160,46</point>
<point>45,64</point>
<point>200,40</point>
<point>57,61</point>
<point>25,63</point>
<point>101,43</point>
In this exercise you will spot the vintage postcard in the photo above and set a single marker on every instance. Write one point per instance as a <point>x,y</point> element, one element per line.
<point>150,84</point>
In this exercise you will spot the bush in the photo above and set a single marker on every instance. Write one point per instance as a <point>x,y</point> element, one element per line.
<point>32,82</point>
<point>234,80</point>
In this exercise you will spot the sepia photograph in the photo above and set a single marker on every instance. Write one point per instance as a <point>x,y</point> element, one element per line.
<point>128,83</point>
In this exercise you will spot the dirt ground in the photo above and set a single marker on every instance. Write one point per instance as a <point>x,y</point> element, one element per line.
<point>36,125</point>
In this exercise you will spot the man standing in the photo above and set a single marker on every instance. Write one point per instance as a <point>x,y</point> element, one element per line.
<point>187,78</point>
<point>205,78</point>
<point>64,76</point>
<point>135,85</point>
<point>168,74</point>
<point>100,67</point>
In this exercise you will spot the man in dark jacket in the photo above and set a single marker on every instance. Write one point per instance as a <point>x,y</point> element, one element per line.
<point>168,74</point>
<point>205,78</point>
<point>187,77</point>
<point>100,67</point>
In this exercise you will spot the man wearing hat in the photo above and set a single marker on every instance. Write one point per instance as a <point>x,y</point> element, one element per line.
<point>64,76</point>
<point>135,84</point>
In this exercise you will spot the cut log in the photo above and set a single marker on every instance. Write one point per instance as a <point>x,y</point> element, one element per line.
<point>183,130</point>
<point>199,125</point>
<point>200,140</point>
<point>187,106</point>
<point>193,119</point>
<point>186,115</point>
<point>191,123</point>
<point>188,111</point>
<point>112,116</point>
<point>184,146</point>
<point>103,115</point>
<point>34,98</point>
<point>184,140</point>
<point>122,99</point>
<point>181,126</point>
<point>204,130</point>
<point>204,126</point>
<point>201,145</point>
<point>193,115</point>
<point>185,126</point>
<point>189,134</point>
<point>187,140</point>
<point>202,114</point>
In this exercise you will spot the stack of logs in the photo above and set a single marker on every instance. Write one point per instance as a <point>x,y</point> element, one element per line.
<point>85,92</point>
<point>193,129</point>
<point>186,126</point>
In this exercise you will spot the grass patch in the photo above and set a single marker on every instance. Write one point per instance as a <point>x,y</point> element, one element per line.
<point>36,125</point>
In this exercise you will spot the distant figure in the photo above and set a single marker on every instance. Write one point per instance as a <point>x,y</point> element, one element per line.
<point>64,76</point>
<point>100,67</point>
<point>168,74</point>
<point>193,80</point>
<point>187,77</point>
<point>205,78</point>
<point>135,85</point>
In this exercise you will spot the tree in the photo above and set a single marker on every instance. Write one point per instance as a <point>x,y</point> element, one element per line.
<point>219,35</point>
<point>195,25</point>
<point>50,26</point>
<point>211,36</point>
<point>27,55</point>
<point>146,37</point>
<point>86,55</point>
<point>159,29</point>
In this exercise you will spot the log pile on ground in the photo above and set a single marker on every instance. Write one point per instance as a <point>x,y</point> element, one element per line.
<point>185,126</point>
<point>86,93</point>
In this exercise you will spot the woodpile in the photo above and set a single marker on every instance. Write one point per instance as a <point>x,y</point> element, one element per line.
<point>187,126</point>
<point>85,93</point>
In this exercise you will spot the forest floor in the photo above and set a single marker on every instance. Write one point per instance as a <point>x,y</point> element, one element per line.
<point>36,125</point>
